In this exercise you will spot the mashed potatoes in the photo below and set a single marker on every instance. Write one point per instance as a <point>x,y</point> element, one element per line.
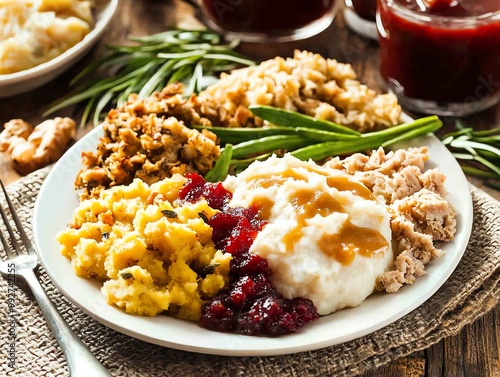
<point>35,31</point>
<point>327,237</point>
<point>153,253</point>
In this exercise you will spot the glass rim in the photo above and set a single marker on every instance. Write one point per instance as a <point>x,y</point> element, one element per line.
<point>449,20</point>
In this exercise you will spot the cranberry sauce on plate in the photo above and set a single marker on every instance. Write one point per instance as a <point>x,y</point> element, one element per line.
<point>251,305</point>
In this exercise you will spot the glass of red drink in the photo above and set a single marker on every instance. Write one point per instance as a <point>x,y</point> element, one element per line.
<point>269,20</point>
<point>444,59</point>
<point>360,17</point>
<point>364,8</point>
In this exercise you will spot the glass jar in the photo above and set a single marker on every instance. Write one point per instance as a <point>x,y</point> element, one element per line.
<point>269,20</point>
<point>444,62</point>
<point>360,17</point>
<point>365,9</point>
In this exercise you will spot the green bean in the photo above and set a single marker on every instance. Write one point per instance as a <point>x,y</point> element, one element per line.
<point>397,130</point>
<point>333,148</point>
<point>239,165</point>
<point>268,143</point>
<point>241,134</point>
<point>286,118</point>
<point>413,133</point>
<point>370,141</point>
<point>221,167</point>
<point>319,135</point>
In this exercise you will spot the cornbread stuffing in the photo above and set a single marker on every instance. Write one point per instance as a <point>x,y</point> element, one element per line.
<point>153,253</point>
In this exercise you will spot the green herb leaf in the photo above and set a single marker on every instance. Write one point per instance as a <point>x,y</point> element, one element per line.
<point>148,66</point>
<point>203,217</point>
<point>169,213</point>
<point>477,151</point>
<point>209,269</point>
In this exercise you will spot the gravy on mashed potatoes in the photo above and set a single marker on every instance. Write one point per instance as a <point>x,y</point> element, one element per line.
<point>33,32</point>
<point>327,237</point>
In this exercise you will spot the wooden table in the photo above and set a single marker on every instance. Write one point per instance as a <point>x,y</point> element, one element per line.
<point>475,351</point>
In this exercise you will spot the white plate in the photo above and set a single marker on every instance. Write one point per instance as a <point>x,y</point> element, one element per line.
<point>29,79</point>
<point>53,211</point>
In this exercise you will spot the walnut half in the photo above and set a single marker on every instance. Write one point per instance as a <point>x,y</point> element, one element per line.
<point>15,131</point>
<point>30,151</point>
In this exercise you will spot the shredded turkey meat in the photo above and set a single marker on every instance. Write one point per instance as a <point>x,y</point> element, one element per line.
<point>421,217</point>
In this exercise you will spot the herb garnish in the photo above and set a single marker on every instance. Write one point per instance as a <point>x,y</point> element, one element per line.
<point>148,66</point>
<point>477,151</point>
<point>169,213</point>
<point>209,269</point>
<point>203,217</point>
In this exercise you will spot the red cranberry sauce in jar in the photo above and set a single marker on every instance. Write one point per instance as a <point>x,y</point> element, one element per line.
<point>251,305</point>
<point>266,15</point>
<point>365,8</point>
<point>440,60</point>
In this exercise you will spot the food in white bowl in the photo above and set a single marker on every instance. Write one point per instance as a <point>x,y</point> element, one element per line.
<point>57,34</point>
<point>34,32</point>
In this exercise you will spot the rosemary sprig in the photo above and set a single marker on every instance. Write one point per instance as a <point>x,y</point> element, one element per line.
<point>189,56</point>
<point>478,152</point>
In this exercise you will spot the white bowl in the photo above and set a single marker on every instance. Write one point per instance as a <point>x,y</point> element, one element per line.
<point>32,78</point>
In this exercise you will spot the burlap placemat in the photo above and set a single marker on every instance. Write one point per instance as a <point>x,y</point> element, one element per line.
<point>471,291</point>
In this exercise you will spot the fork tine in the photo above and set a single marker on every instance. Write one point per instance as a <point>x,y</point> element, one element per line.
<point>11,232</point>
<point>6,246</point>
<point>24,237</point>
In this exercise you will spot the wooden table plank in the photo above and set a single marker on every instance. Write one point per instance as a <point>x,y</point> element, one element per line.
<point>434,357</point>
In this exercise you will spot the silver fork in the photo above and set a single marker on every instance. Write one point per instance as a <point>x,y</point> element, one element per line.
<point>81,361</point>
